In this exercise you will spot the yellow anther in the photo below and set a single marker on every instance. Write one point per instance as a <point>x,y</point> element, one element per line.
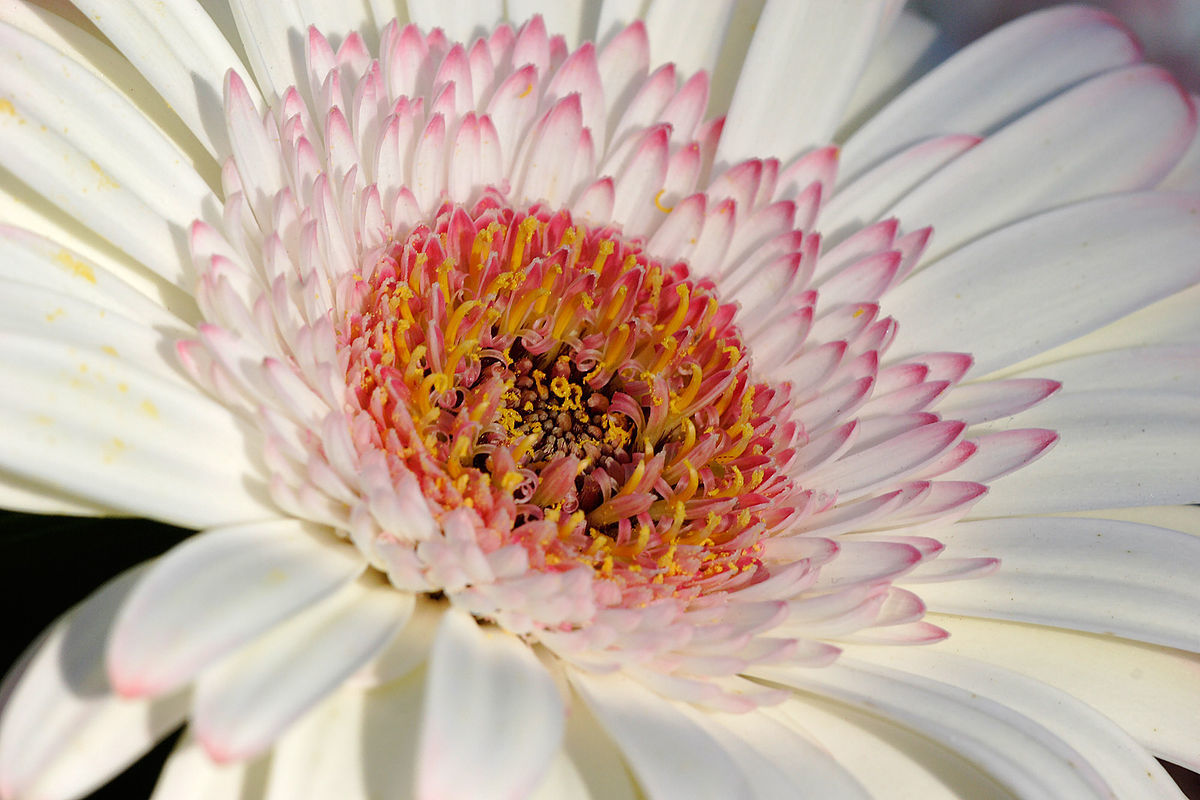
<point>681,401</point>
<point>658,202</point>
<point>634,480</point>
<point>603,250</point>
<point>456,319</point>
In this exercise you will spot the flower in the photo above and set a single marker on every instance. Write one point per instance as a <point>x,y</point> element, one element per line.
<point>553,438</point>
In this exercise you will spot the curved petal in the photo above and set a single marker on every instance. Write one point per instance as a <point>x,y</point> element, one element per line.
<point>245,702</point>
<point>480,681</point>
<point>1067,271</point>
<point>62,729</point>
<point>1015,750</point>
<point>1022,64</point>
<point>100,427</point>
<point>798,77</point>
<point>670,755</point>
<point>1120,131</point>
<point>1116,448</point>
<point>217,591</point>
<point>1073,573</point>
<point>1148,690</point>
<point>190,774</point>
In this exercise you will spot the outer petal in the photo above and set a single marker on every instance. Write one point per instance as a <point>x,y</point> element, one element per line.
<point>1073,573</point>
<point>217,591</point>
<point>1147,690</point>
<point>480,682</point>
<point>1117,448</point>
<point>62,730</point>
<point>798,77</point>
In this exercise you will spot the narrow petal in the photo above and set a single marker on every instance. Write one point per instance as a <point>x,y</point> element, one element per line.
<point>244,703</point>
<point>1125,767</point>
<point>1016,751</point>
<point>98,426</point>
<point>1146,689</point>
<point>1071,573</point>
<point>1022,64</point>
<point>1118,132</point>
<point>462,20</point>
<point>688,35</point>
<point>479,682</point>
<point>217,591</point>
<point>668,753</point>
<point>1117,448</point>
<point>62,729</point>
<point>190,774</point>
<point>1064,269</point>
<point>798,77</point>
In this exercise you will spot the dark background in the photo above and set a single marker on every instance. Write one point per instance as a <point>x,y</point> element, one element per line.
<point>48,564</point>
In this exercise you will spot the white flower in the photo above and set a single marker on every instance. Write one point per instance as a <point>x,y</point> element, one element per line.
<point>550,437</point>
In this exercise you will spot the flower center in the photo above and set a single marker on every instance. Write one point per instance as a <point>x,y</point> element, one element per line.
<point>582,399</point>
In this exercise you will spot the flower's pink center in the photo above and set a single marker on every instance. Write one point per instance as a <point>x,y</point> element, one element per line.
<point>584,400</point>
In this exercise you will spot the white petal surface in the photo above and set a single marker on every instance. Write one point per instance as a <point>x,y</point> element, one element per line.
<point>670,755</point>
<point>1119,578</point>
<point>247,700</point>
<point>1171,368</point>
<point>1066,271</point>
<point>217,591</point>
<point>97,426</point>
<point>176,45</point>
<point>92,153</point>
<point>1117,448</point>
<point>1118,132</point>
<point>62,730</point>
<point>687,34</point>
<point>1021,65</point>
<point>1147,690</point>
<point>462,20</point>
<point>798,77</point>
<point>190,774</point>
<point>480,682</point>
<point>1125,767</point>
<point>1015,750</point>
<point>322,755</point>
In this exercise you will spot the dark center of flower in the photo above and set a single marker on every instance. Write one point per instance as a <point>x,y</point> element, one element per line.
<point>584,400</point>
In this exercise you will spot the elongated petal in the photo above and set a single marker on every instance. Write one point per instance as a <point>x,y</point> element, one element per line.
<point>244,703</point>
<point>1148,690</point>
<point>62,729</point>
<point>480,681</point>
<point>1065,270</point>
<point>1072,573</point>
<point>1028,759</point>
<point>1112,444</point>
<point>670,755</point>
<point>216,592</point>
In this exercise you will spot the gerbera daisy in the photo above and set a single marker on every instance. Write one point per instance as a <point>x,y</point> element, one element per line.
<point>562,422</point>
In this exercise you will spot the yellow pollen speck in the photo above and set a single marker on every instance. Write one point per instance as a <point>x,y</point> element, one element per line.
<point>112,450</point>
<point>106,181</point>
<point>528,89</point>
<point>55,314</point>
<point>858,312</point>
<point>112,351</point>
<point>6,107</point>
<point>42,419</point>
<point>658,202</point>
<point>149,409</point>
<point>122,387</point>
<point>75,266</point>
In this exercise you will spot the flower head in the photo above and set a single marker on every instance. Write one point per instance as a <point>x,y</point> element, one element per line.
<point>528,395</point>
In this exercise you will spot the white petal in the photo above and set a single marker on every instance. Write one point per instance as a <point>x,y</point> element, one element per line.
<point>1118,132</point>
<point>1065,270</point>
<point>31,497</point>
<point>1126,768</point>
<point>217,591</point>
<point>687,34</point>
<point>596,756</point>
<point>93,154</point>
<point>190,774</point>
<point>264,31</point>
<point>1015,750</point>
<point>1119,578</point>
<point>247,700</point>
<point>1022,64</point>
<point>905,52</point>
<point>62,730</point>
<point>892,761</point>
<point>480,682</point>
<point>798,77</point>
<point>462,20</point>
<point>1147,690</point>
<point>1117,448</point>
<point>670,755</point>
<point>780,760</point>
<point>1172,368</point>
<point>97,426</point>
<point>326,753</point>
<point>179,49</point>
<point>564,17</point>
